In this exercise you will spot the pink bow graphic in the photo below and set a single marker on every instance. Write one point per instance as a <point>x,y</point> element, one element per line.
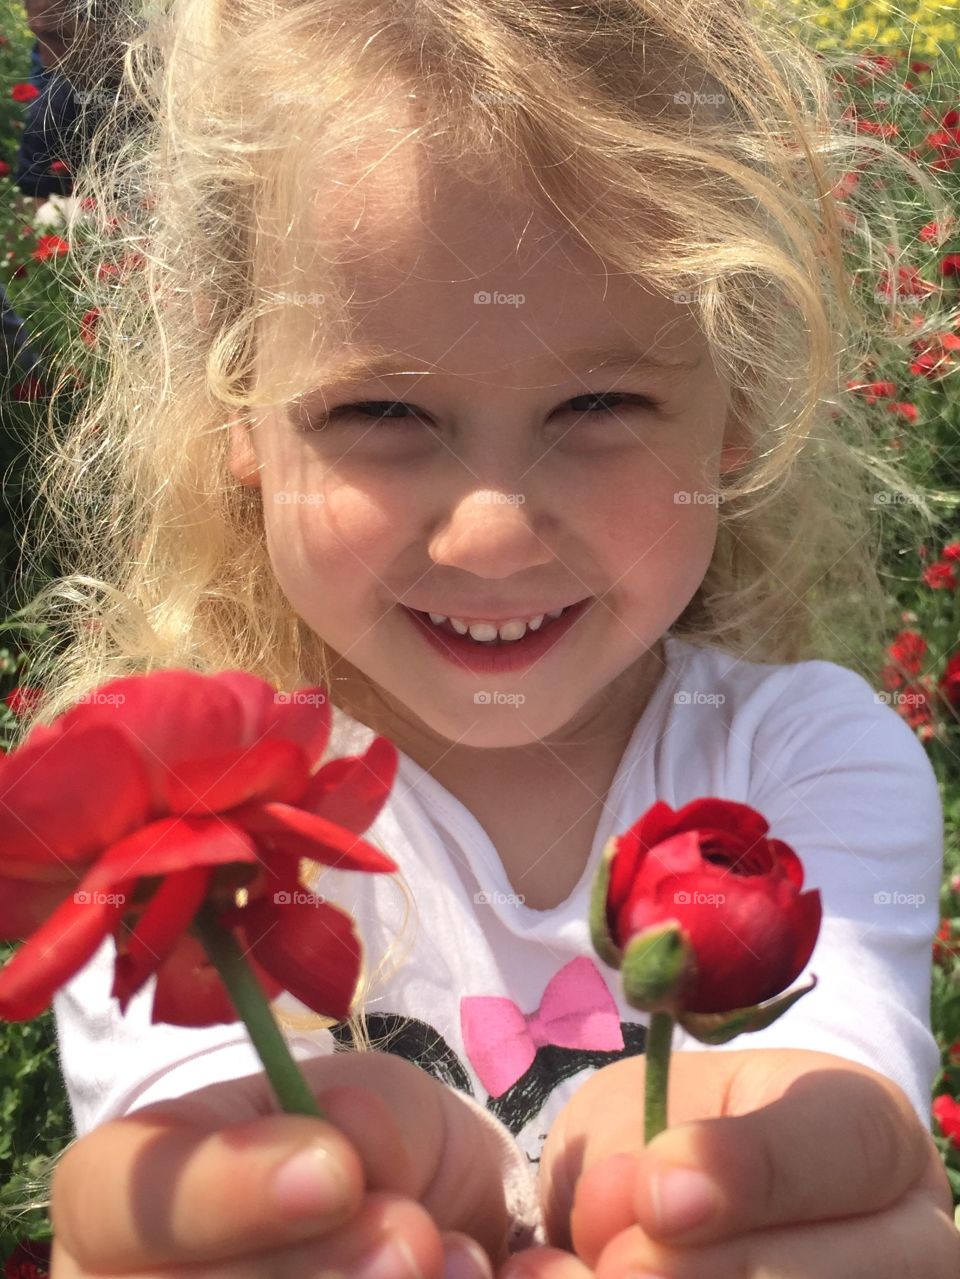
<point>577,1011</point>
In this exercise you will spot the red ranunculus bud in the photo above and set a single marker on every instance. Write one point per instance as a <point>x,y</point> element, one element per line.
<point>705,917</point>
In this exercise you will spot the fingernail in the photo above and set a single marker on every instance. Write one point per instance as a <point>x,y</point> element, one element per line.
<point>392,1259</point>
<point>466,1260</point>
<point>311,1184</point>
<point>682,1198</point>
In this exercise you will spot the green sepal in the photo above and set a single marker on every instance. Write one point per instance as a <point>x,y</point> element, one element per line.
<point>658,967</point>
<point>603,943</point>
<point>720,1028</point>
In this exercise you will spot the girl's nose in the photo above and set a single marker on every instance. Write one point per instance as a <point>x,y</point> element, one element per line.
<point>492,533</point>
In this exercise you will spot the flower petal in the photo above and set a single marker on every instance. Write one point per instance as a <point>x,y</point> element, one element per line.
<point>59,948</point>
<point>269,769</point>
<point>352,790</point>
<point>24,907</point>
<point>310,947</point>
<point>99,786</point>
<point>303,834</point>
<point>171,844</point>
<point>165,918</point>
<point>302,717</point>
<point>189,991</point>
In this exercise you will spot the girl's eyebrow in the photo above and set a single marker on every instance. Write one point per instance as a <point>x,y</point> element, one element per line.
<point>362,365</point>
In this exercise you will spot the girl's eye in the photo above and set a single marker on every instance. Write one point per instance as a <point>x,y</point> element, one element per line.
<point>375,408</point>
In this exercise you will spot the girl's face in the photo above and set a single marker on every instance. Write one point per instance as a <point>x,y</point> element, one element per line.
<point>503,475</point>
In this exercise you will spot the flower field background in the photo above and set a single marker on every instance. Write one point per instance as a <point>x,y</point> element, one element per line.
<point>904,86</point>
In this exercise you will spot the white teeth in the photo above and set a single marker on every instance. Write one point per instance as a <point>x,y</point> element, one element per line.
<point>487,632</point>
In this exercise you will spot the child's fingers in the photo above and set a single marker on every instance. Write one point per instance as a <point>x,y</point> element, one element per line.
<point>390,1238</point>
<point>148,1191</point>
<point>544,1263</point>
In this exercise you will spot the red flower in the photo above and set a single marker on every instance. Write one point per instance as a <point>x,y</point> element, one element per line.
<point>909,283</point>
<point>30,1259</point>
<point>50,246</point>
<point>943,944</point>
<point>174,790</point>
<point>24,92</point>
<point>4,169</point>
<point>947,1113</point>
<point>913,704</point>
<point>935,232</point>
<point>949,682</point>
<point>903,409</point>
<point>950,265</point>
<point>907,650</point>
<point>59,167</point>
<point>88,325</point>
<point>940,576</point>
<point>23,699</point>
<point>884,130</point>
<point>28,388</point>
<point>951,551</point>
<point>735,894</point>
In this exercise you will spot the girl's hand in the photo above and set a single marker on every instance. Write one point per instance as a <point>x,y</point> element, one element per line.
<point>180,1190</point>
<point>818,1168</point>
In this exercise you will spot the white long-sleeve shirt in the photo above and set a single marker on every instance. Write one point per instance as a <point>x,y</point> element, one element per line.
<point>511,1005</point>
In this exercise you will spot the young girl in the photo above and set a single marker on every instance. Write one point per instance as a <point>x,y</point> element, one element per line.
<point>486,370</point>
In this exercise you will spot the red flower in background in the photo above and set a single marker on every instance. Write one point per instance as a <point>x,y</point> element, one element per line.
<point>50,246</point>
<point>944,944</point>
<point>907,650</point>
<point>23,699</point>
<point>176,790</point>
<point>947,1113</point>
<point>24,92</point>
<point>908,283</point>
<point>30,1259</point>
<point>940,576</point>
<point>89,323</point>
<point>949,682</point>
<point>950,265</point>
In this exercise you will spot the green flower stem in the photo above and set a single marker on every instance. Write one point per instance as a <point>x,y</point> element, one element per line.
<point>659,1041</point>
<point>247,997</point>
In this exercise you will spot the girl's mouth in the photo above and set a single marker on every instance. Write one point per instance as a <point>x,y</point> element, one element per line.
<point>497,655</point>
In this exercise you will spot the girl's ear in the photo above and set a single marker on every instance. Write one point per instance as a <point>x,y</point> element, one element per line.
<point>242,459</point>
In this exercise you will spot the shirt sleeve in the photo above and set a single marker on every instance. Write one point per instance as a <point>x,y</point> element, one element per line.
<point>845,782</point>
<point>114,1063</point>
